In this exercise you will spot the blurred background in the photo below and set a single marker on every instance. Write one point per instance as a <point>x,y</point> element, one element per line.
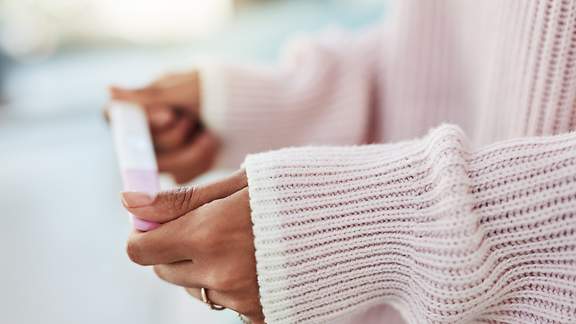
<point>63,231</point>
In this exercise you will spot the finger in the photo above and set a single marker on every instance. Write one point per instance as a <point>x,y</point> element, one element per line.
<point>193,160</point>
<point>169,205</point>
<point>233,301</point>
<point>217,298</point>
<point>183,274</point>
<point>150,95</point>
<point>176,79</point>
<point>175,136</point>
<point>161,117</point>
<point>164,245</point>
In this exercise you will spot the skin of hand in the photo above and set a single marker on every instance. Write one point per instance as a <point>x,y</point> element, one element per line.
<point>205,241</point>
<point>184,148</point>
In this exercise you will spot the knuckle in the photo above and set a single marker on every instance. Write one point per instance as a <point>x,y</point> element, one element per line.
<point>193,196</point>
<point>160,273</point>
<point>184,198</point>
<point>134,251</point>
<point>191,292</point>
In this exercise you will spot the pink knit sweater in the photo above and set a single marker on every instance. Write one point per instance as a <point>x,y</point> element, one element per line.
<point>468,223</point>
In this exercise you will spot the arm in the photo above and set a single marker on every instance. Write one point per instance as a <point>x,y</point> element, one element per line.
<point>443,232</point>
<point>321,93</point>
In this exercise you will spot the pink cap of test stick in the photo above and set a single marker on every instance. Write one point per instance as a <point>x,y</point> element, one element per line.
<point>145,181</point>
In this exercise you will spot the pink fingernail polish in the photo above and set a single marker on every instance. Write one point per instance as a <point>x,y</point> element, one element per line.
<point>136,199</point>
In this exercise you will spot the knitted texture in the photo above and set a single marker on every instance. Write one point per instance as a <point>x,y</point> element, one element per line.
<point>445,233</point>
<point>498,69</point>
<point>443,228</point>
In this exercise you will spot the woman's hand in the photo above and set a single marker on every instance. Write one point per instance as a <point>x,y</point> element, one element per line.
<point>180,90</point>
<point>205,241</point>
<point>184,148</point>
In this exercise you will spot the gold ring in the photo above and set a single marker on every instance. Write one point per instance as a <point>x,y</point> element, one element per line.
<point>207,301</point>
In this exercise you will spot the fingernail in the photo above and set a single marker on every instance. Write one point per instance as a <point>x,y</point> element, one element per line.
<point>136,199</point>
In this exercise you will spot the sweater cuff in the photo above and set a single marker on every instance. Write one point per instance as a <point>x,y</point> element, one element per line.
<point>441,232</point>
<point>334,226</point>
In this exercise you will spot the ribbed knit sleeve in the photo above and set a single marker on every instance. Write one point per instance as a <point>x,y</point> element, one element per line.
<point>445,233</point>
<point>320,93</point>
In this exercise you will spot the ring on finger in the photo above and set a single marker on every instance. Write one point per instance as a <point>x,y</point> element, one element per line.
<point>207,301</point>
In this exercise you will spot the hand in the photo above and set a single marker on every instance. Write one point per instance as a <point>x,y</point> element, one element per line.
<point>205,241</point>
<point>178,90</point>
<point>183,147</point>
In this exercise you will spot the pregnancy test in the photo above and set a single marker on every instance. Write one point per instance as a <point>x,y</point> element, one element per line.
<point>135,153</point>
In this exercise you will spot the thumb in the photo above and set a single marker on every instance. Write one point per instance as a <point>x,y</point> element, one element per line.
<point>169,205</point>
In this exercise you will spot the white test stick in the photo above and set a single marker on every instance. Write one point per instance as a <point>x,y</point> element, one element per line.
<point>135,152</point>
